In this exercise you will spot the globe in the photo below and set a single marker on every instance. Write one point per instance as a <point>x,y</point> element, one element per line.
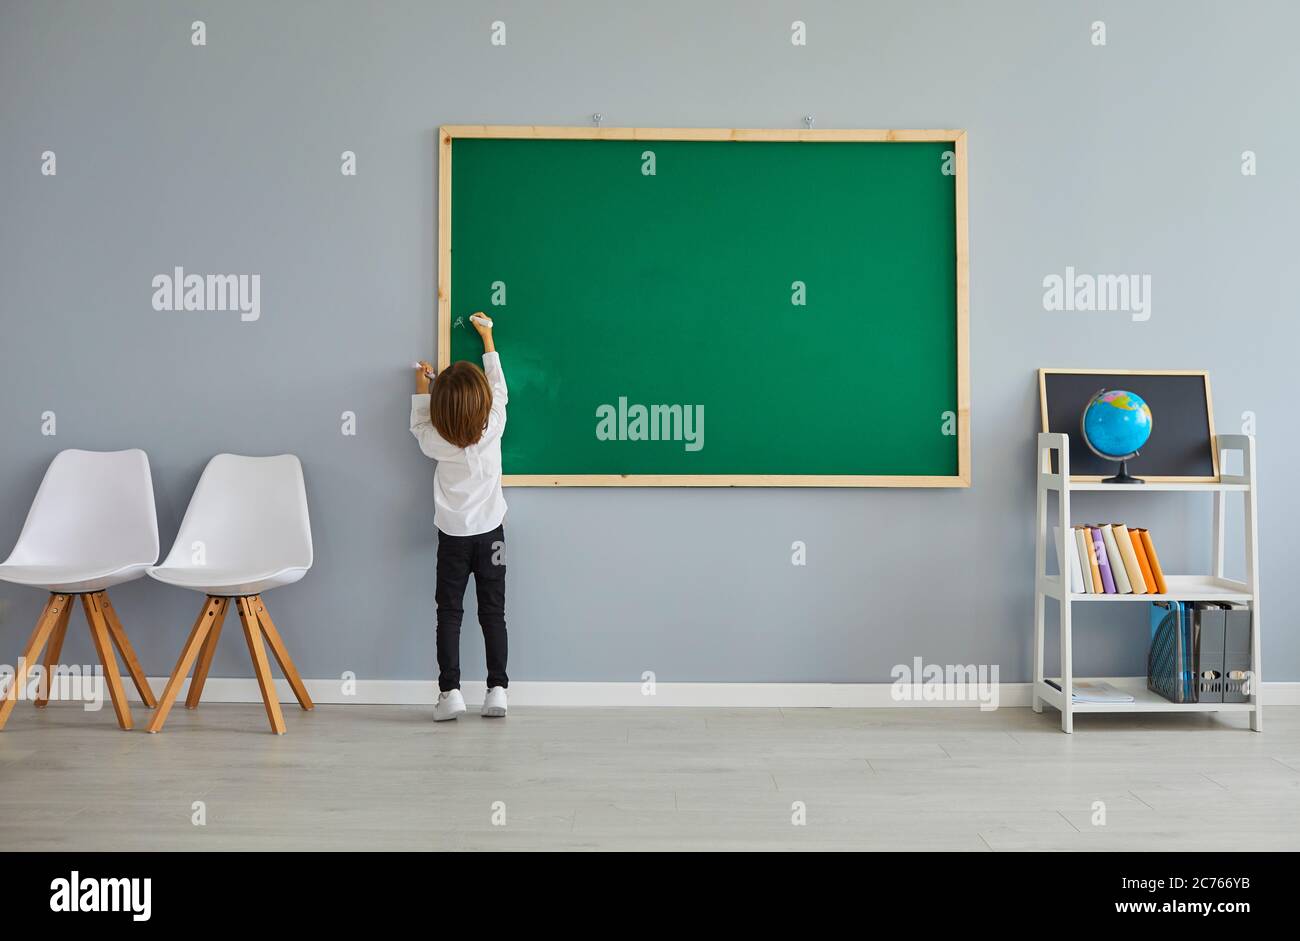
<point>1116,424</point>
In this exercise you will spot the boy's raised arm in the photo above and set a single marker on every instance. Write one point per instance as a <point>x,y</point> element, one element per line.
<point>431,443</point>
<point>495,376</point>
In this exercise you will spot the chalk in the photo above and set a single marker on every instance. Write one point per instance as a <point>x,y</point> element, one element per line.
<point>483,321</point>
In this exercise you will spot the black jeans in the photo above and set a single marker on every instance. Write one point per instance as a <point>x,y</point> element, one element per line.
<point>458,557</point>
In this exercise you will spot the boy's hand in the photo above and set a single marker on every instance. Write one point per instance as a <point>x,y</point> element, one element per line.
<point>423,370</point>
<point>480,322</point>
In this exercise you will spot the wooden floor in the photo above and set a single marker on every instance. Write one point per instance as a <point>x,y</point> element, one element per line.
<point>386,777</point>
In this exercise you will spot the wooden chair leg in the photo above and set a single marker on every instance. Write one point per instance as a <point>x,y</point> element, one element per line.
<point>205,657</point>
<point>52,651</point>
<point>54,609</point>
<point>253,635</point>
<point>282,654</point>
<point>202,626</point>
<point>124,647</point>
<point>104,646</point>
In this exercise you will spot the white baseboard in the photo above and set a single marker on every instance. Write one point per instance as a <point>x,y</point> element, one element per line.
<point>716,695</point>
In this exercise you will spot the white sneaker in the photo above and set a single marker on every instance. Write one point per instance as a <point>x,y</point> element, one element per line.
<point>450,705</point>
<point>494,703</point>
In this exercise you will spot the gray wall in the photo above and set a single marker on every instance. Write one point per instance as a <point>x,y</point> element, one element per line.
<point>226,159</point>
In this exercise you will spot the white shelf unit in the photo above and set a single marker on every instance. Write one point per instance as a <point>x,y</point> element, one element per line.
<point>1212,587</point>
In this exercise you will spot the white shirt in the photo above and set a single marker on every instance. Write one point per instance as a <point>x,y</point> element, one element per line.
<point>467,497</point>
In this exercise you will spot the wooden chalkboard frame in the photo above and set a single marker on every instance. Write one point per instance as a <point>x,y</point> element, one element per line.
<point>448,133</point>
<point>1153,478</point>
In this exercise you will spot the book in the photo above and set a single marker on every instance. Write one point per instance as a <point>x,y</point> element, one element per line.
<point>1091,548</point>
<point>1079,536</point>
<point>1131,567</point>
<point>1149,548</point>
<point>1068,561</point>
<point>1103,563</point>
<point>1118,570</point>
<point>1140,551</point>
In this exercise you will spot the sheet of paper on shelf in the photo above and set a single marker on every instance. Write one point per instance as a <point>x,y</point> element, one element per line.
<point>1098,691</point>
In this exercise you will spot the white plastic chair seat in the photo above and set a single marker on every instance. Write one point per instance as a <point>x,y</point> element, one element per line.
<point>91,526</point>
<point>227,583</point>
<point>68,579</point>
<point>245,531</point>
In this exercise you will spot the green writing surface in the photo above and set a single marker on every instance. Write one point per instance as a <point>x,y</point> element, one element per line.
<point>713,311</point>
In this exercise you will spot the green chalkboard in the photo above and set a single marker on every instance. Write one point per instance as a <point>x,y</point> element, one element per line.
<point>714,311</point>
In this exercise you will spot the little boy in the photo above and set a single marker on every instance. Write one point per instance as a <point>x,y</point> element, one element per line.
<point>459,424</point>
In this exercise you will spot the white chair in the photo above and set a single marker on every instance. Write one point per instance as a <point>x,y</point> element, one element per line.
<point>91,526</point>
<point>246,531</point>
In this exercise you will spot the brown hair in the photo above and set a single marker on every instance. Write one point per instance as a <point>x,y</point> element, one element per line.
<point>460,402</point>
